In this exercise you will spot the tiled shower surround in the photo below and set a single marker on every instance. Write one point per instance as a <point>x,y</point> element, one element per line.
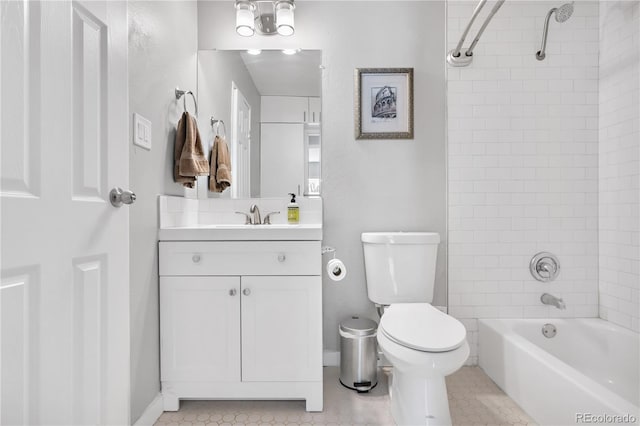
<point>523,164</point>
<point>619,174</point>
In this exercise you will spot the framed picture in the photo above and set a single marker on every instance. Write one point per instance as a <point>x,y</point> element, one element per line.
<point>384,103</point>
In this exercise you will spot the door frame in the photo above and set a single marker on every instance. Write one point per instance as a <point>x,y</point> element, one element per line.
<point>236,97</point>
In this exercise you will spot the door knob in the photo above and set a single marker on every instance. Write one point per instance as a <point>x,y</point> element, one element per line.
<point>119,197</point>
<point>232,292</point>
<point>282,257</point>
<point>246,292</point>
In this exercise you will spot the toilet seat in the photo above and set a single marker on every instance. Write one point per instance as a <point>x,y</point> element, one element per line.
<point>422,327</point>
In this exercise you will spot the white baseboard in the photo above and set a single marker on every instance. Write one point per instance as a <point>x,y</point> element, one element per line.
<point>330,358</point>
<point>152,413</point>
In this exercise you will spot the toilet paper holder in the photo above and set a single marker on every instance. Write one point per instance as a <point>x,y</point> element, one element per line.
<point>338,270</point>
<point>327,249</point>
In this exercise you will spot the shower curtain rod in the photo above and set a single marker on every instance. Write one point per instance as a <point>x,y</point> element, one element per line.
<point>460,57</point>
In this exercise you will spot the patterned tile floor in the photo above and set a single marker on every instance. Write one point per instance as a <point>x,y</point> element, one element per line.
<point>474,400</point>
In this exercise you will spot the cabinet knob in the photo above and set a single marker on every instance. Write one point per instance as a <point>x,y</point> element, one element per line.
<point>233,292</point>
<point>282,257</point>
<point>246,292</point>
<point>195,258</point>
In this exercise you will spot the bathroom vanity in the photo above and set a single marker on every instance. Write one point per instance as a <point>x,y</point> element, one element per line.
<point>240,305</point>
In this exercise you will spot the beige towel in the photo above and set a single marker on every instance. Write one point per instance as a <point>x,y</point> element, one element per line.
<point>188,155</point>
<point>220,177</point>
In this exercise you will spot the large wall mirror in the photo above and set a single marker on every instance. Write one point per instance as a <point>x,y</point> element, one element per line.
<point>266,104</point>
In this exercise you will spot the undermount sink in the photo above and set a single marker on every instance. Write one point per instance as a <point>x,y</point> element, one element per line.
<point>184,219</point>
<point>241,232</point>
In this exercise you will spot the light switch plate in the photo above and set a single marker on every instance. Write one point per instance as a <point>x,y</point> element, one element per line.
<point>141,132</point>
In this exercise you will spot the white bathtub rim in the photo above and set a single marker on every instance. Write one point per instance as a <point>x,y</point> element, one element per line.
<point>619,405</point>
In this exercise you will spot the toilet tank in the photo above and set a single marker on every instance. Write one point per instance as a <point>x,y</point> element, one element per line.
<point>400,267</point>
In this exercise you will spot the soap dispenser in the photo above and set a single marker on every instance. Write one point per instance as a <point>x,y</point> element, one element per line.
<point>293,210</point>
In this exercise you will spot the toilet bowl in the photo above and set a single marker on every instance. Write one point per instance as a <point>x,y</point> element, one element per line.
<point>423,345</point>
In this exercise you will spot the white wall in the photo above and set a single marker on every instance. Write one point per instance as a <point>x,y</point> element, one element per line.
<point>216,70</point>
<point>367,185</point>
<point>619,177</point>
<point>162,55</point>
<point>523,164</point>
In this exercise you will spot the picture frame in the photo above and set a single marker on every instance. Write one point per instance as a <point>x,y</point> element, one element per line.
<point>383,103</point>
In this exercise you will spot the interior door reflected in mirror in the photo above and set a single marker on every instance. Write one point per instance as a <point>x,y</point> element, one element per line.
<point>270,104</point>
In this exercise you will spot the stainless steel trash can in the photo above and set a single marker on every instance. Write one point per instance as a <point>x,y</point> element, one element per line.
<point>358,354</point>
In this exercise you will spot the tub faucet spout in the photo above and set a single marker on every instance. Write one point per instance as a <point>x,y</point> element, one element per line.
<point>549,299</point>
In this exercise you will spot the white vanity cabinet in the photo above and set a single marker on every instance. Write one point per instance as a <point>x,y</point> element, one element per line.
<point>284,109</point>
<point>241,320</point>
<point>282,163</point>
<point>280,330</point>
<point>200,319</point>
<point>315,110</point>
<point>290,109</point>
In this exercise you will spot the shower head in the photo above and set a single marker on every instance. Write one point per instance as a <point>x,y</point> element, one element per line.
<point>563,13</point>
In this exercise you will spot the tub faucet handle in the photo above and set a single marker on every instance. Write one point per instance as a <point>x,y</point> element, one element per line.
<point>544,267</point>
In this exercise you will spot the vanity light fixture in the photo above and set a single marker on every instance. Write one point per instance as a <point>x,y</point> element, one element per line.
<point>267,17</point>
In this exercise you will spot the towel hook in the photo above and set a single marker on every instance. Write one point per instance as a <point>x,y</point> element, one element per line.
<point>215,124</point>
<point>182,94</point>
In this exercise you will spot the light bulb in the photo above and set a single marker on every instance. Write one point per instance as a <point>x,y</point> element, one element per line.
<point>284,17</point>
<point>245,24</point>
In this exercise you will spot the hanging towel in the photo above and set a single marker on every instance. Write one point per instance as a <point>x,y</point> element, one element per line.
<point>189,158</point>
<point>220,177</point>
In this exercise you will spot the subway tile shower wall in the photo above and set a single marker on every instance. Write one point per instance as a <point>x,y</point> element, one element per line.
<point>523,164</point>
<point>619,177</point>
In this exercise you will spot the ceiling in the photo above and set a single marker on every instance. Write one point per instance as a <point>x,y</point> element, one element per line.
<point>275,73</point>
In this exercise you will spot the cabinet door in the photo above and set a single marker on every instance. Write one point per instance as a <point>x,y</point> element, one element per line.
<point>284,109</point>
<point>281,328</point>
<point>315,110</point>
<point>200,328</point>
<point>281,159</point>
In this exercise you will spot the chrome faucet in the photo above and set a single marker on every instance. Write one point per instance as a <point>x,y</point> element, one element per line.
<point>255,211</point>
<point>254,218</point>
<point>549,299</point>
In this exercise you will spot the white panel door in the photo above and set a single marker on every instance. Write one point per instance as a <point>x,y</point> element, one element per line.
<point>281,159</point>
<point>241,144</point>
<point>281,328</point>
<point>64,292</point>
<point>200,329</point>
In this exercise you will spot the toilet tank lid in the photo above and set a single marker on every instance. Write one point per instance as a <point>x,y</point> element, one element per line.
<point>401,237</point>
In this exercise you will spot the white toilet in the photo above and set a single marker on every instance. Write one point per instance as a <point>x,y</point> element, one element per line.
<point>421,342</point>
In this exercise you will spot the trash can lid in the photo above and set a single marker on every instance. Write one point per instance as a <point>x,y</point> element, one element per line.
<point>357,326</point>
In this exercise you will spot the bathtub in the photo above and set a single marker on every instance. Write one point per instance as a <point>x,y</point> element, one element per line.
<point>587,373</point>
